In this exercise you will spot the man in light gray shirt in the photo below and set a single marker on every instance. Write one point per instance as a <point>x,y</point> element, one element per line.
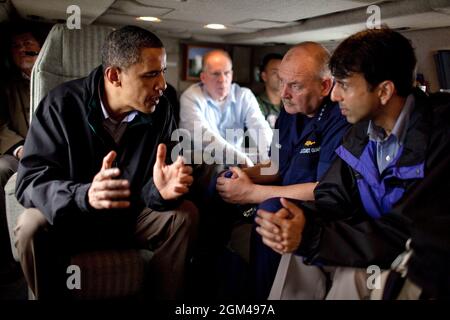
<point>219,110</point>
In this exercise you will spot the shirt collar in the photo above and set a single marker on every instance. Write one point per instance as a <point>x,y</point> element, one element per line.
<point>376,133</point>
<point>130,116</point>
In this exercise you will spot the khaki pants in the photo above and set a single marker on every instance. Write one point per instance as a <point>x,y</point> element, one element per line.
<point>408,291</point>
<point>170,235</point>
<point>349,284</point>
<point>297,281</point>
<point>8,166</point>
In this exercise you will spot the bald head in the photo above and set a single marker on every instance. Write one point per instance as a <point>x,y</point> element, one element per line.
<point>214,56</point>
<point>305,78</point>
<point>309,56</point>
<point>217,73</point>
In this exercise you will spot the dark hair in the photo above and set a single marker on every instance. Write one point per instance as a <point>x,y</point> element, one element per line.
<point>17,28</point>
<point>8,31</point>
<point>122,48</point>
<point>266,60</point>
<point>379,54</point>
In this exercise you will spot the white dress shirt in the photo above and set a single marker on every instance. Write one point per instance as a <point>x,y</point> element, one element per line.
<point>222,120</point>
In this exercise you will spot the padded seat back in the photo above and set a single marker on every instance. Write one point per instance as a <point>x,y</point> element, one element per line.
<point>66,55</point>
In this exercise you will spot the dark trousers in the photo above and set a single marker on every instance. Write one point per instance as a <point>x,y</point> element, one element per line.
<point>218,271</point>
<point>263,260</point>
<point>216,216</point>
<point>263,266</point>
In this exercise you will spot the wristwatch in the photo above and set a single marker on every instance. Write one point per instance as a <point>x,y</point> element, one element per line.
<point>249,212</point>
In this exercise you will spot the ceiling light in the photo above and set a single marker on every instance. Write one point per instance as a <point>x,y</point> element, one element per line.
<point>151,19</point>
<point>215,26</point>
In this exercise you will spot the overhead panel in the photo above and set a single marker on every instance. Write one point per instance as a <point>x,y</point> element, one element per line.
<point>136,9</point>
<point>261,24</point>
<point>247,21</point>
<point>56,10</point>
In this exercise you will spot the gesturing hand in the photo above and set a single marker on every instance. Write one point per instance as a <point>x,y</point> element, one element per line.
<point>105,191</point>
<point>172,180</point>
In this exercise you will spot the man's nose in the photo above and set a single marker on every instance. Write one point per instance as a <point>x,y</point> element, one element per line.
<point>161,84</point>
<point>221,77</point>
<point>284,91</point>
<point>20,46</point>
<point>335,94</point>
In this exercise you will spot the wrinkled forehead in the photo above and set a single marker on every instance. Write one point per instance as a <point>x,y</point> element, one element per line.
<point>291,71</point>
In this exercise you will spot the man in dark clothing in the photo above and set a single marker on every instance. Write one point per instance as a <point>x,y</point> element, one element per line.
<point>310,129</point>
<point>427,275</point>
<point>94,167</point>
<point>398,136</point>
<point>270,100</point>
<point>14,121</point>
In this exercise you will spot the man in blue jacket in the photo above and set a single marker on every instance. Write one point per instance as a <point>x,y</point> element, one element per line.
<point>398,136</point>
<point>310,128</point>
<point>94,170</point>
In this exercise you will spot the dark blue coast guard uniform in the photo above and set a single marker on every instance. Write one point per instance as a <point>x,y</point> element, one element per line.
<point>307,145</point>
<point>306,149</point>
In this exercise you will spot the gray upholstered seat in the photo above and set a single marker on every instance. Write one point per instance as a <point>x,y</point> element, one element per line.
<point>66,55</point>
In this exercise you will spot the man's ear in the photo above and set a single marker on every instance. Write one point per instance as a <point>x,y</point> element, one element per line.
<point>202,76</point>
<point>386,90</point>
<point>327,85</point>
<point>112,75</point>
<point>263,76</point>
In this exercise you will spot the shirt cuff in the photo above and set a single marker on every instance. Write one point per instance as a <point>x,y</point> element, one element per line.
<point>16,151</point>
